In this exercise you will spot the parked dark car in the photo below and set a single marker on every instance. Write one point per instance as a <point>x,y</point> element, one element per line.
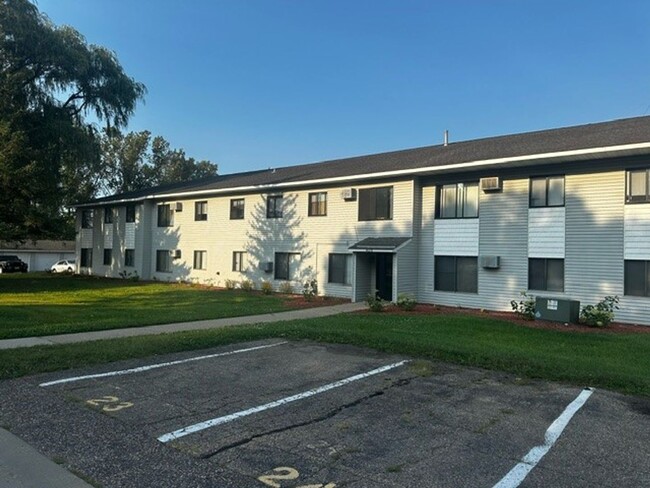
<point>12,264</point>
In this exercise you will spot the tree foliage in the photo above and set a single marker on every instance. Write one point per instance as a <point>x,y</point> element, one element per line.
<point>135,161</point>
<point>51,83</point>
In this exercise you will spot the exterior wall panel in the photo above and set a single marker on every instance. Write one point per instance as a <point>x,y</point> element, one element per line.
<point>593,266</point>
<point>503,233</point>
<point>546,232</point>
<point>456,237</point>
<point>261,237</point>
<point>637,231</point>
<point>426,235</point>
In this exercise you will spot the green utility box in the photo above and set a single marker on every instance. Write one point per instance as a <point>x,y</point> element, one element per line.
<point>557,309</point>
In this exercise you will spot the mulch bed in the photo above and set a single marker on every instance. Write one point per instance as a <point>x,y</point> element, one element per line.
<point>613,328</point>
<point>298,301</point>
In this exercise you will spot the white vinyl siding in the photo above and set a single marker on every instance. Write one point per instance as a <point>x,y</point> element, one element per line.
<point>129,235</point>
<point>593,266</point>
<point>504,233</point>
<point>86,238</point>
<point>546,232</point>
<point>456,237</point>
<point>108,236</point>
<point>637,231</point>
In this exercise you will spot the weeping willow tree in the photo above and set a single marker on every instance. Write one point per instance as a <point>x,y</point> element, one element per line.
<point>57,95</point>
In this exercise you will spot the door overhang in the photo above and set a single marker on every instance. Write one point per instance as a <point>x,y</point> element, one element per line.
<point>380,244</point>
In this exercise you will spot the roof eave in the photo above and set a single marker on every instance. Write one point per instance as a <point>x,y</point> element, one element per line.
<point>506,162</point>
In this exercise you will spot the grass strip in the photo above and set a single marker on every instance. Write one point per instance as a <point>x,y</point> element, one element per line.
<point>614,361</point>
<point>39,304</point>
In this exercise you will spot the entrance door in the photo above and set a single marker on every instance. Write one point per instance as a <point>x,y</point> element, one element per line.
<point>384,282</point>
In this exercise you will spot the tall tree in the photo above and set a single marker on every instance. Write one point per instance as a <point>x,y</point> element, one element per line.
<point>172,165</point>
<point>136,160</point>
<point>51,81</point>
<point>125,161</point>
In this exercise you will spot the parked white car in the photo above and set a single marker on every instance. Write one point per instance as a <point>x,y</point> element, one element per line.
<point>64,266</point>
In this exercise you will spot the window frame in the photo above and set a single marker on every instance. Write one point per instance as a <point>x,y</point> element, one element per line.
<point>545,277</point>
<point>201,210</point>
<point>234,210</point>
<point>629,199</point>
<point>459,205</point>
<point>288,255</point>
<point>646,274</point>
<point>130,214</point>
<point>166,219</point>
<point>108,253</point>
<point>200,264</point>
<point>546,190</point>
<point>238,261</point>
<point>87,216</point>
<point>456,274</point>
<point>129,258</point>
<point>345,271</point>
<point>370,211</point>
<point>314,207</point>
<point>168,261</point>
<point>87,253</point>
<point>108,215</point>
<point>274,210</point>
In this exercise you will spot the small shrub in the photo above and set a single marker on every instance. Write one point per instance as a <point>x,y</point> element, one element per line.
<point>126,275</point>
<point>247,285</point>
<point>601,314</point>
<point>266,287</point>
<point>286,287</point>
<point>405,301</point>
<point>525,307</point>
<point>310,290</point>
<point>375,303</point>
<point>230,284</point>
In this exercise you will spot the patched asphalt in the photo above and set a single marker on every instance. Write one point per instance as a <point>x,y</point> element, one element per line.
<point>421,424</point>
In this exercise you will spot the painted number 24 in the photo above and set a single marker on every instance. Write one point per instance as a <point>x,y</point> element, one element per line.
<point>109,403</point>
<point>284,473</point>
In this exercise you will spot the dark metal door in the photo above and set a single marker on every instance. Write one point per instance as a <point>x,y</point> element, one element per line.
<point>384,281</point>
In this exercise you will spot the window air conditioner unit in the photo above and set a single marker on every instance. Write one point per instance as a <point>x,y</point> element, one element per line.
<point>179,206</point>
<point>267,267</point>
<point>490,262</point>
<point>177,254</point>
<point>492,183</point>
<point>349,194</point>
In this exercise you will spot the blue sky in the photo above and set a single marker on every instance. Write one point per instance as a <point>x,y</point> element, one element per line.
<point>257,84</point>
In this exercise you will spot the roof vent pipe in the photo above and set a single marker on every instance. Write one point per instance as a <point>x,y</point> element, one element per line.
<point>446,139</point>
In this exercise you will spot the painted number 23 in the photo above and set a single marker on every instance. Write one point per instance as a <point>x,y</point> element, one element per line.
<point>109,403</point>
<point>284,473</point>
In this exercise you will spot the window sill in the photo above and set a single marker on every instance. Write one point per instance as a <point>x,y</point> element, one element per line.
<point>456,218</point>
<point>473,293</point>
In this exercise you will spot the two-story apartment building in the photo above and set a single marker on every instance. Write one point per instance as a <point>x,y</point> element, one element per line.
<point>562,213</point>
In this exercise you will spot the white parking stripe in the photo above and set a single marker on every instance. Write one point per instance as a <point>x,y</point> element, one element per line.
<point>534,456</point>
<point>156,366</point>
<point>277,403</point>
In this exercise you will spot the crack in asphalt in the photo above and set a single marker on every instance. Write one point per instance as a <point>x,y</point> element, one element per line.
<point>322,418</point>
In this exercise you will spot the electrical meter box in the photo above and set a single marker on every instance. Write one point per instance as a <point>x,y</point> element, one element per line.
<point>557,309</point>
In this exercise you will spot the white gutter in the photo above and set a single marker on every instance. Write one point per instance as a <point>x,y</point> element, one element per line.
<point>384,174</point>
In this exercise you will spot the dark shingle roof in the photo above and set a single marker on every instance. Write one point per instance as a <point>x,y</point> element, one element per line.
<point>604,134</point>
<point>379,244</point>
<point>58,246</point>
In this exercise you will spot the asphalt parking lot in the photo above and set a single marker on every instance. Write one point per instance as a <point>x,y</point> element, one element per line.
<point>302,414</point>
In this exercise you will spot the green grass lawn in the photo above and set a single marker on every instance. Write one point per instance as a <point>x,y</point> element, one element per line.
<point>39,304</point>
<point>614,361</point>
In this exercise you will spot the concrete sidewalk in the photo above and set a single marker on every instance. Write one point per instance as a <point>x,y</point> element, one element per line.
<point>305,313</point>
<point>22,466</point>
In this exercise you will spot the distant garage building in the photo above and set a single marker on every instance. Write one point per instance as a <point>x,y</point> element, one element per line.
<point>39,255</point>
